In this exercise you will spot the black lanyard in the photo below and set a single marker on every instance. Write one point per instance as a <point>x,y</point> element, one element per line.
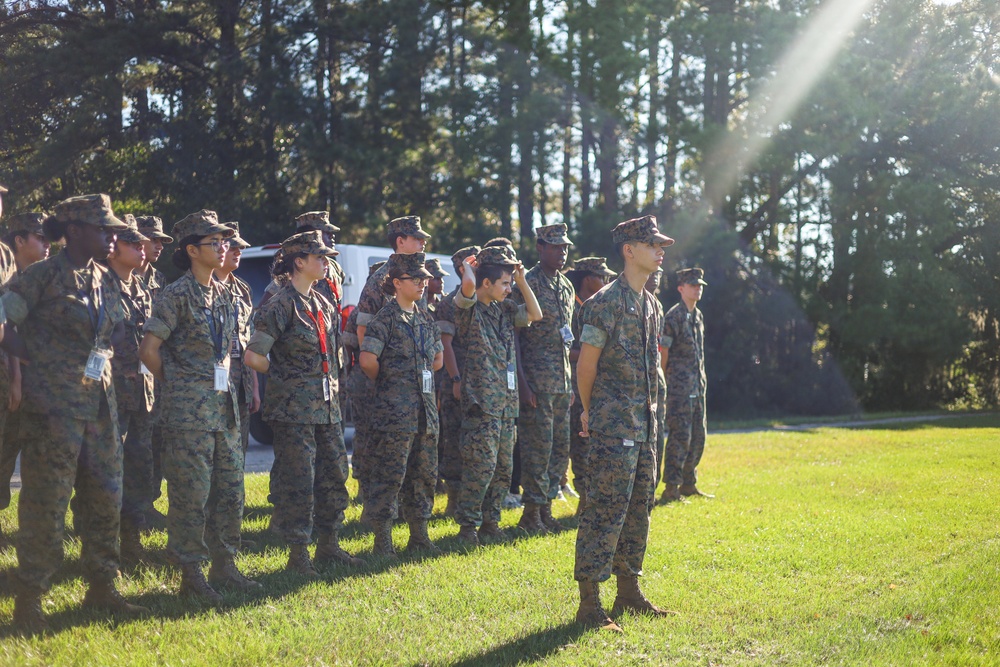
<point>498,329</point>
<point>215,331</point>
<point>421,351</point>
<point>95,303</point>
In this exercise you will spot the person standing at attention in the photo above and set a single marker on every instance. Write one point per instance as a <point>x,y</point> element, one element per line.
<point>616,374</point>
<point>683,352</point>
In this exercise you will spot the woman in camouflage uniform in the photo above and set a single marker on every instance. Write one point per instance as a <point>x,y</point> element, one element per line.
<point>66,308</point>
<point>297,327</point>
<point>401,351</point>
<point>186,347</point>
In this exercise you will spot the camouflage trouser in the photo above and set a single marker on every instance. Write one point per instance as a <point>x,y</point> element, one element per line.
<point>614,525</point>
<point>686,427</point>
<point>59,454</point>
<point>361,389</point>
<point>578,447</point>
<point>404,466</point>
<point>661,421</point>
<point>10,447</point>
<point>449,441</point>
<point>311,492</point>
<point>244,406</point>
<point>487,451</point>
<point>544,438</point>
<point>204,471</point>
<point>137,467</point>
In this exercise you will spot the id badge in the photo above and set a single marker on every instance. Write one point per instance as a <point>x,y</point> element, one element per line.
<point>95,364</point>
<point>511,377</point>
<point>428,382</point>
<point>628,443</point>
<point>327,392</point>
<point>567,334</point>
<point>143,370</point>
<point>221,377</point>
<point>234,351</point>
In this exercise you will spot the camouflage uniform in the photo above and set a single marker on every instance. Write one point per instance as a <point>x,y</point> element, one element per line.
<point>358,388</point>
<point>621,465</point>
<point>449,452</point>
<point>404,417</point>
<point>543,431</point>
<point>69,424</point>
<point>489,403</point>
<point>683,337</point>
<point>134,391</point>
<point>301,405</point>
<point>202,459</point>
<point>242,376</point>
<point>661,410</point>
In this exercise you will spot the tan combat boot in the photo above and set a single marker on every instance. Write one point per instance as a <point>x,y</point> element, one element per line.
<point>670,495</point>
<point>490,533</point>
<point>692,490</point>
<point>467,534</point>
<point>102,594</point>
<point>328,551</point>
<point>631,598</point>
<point>193,583</point>
<point>299,561</point>
<point>383,539</point>
<point>224,574</point>
<point>591,613</point>
<point>419,539</point>
<point>531,521</point>
<point>132,552</point>
<point>549,521</point>
<point>28,616</point>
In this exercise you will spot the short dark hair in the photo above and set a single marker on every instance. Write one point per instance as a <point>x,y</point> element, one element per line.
<point>54,228</point>
<point>393,237</point>
<point>498,241</point>
<point>180,257</point>
<point>620,249</point>
<point>9,237</point>
<point>492,272</point>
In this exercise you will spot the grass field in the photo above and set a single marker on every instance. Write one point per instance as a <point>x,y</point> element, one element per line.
<point>877,546</point>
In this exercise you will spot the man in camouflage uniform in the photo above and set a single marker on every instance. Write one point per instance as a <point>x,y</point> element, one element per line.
<point>589,275</point>
<point>244,379</point>
<point>545,381</point>
<point>683,345</point>
<point>616,374</point>
<point>151,227</point>
<point>435,286</point>
<point>485,320</point>
<point>653,287</point>
<point>450,382</point>
<point>133,390</point>
<point>23,244</point>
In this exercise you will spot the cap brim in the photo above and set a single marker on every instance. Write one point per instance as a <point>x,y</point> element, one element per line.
<point>607,273</point>
<point>660,239</point>
<point>420,234</point>
<point>3,190</point>
<point>330,229</point>
<point>159,235</point>
<point>111,222</point>
<point>132,236</point>
<point>326,252</point>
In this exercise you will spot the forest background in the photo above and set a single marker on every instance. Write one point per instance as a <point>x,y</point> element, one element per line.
<point>832,165</point>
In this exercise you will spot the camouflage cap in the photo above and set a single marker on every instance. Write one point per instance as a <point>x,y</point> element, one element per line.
<point>499,255</point>
<point>26,223</point>
<point>202,223</point>
<point>411,265</point>
<point>595,265</point>
<point>553,234</point>
<point>310,243</point>
<point>88,210</point>
<point>459,257</point>
<point>132,234</point>
<point>318,220</point>
<point>375,267</point>
<point>237,239</point>
<point>152,227</point>
<point>434,266</point>
<point>693,276</point>
<point>640,230</point>
<point>409,225</point>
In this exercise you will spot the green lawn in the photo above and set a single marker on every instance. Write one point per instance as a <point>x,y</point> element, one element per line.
<point>857,547</point>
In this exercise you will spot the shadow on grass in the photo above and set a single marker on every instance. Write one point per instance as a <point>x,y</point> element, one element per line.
<point>524,650</point>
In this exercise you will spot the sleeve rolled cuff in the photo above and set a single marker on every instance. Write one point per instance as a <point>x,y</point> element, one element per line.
<point>14,306</point>
<point>593,336</point>
<point>462,301</point>
<point>438,347</point>
<point>157,327</point>
<point>373,345</point>
<point>446,327</point>
<point>521,317</point>
<point>364,319</point>
<point>666,341</point>
<point>260,343</point>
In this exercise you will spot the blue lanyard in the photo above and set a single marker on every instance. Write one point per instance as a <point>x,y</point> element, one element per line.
<point>215,331</point>
<point>95,306</point>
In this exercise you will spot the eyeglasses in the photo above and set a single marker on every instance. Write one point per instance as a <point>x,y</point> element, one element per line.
<point>216,245</point>
<point>414,279</point>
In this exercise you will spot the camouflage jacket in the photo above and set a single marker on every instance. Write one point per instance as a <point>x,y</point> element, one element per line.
<point>188,399</point>
<point>624,326</point>
<point>405,344</point>
<point>133,389</point>
<point>372,297</point>
<point>332,289</point>
<point>56,307</point>
<point>153,278</point>
<point>577,330</point>
<point>544,353</point>
<point>444,317</point>
<point>487,334</point>
<point>8,269</point>
<point>284,329</point>
<point>683,336</point>
<point>242,295</point>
